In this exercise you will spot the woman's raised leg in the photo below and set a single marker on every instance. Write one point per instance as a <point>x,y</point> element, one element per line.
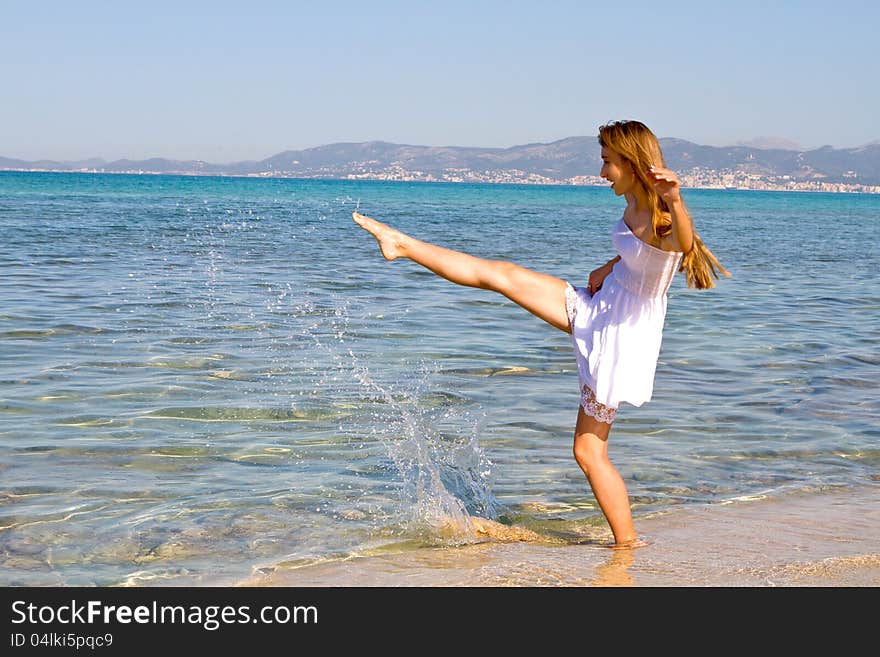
<point>541,294</point>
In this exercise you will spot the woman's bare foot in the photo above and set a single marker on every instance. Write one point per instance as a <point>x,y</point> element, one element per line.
<point>392,242</point>
<point>630,544</point>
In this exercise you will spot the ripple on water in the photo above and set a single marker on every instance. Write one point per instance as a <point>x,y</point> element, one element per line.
<point>262,415</point>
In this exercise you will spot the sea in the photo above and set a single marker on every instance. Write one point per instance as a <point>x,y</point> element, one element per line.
<point>206,379</point>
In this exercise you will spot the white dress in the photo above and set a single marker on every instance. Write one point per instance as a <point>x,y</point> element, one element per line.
<point>617,331</point>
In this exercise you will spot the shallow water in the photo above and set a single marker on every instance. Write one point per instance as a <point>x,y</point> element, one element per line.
<point>202,377</point>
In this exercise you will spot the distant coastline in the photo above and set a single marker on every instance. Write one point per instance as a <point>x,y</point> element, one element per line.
<point>569,161</point>
<point>730,181</point>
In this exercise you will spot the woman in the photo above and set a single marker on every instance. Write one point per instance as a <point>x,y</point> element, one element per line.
<point>616,322</point>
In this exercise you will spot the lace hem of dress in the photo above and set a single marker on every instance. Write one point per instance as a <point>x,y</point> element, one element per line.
<point>570,303</point>
<point>594,409</point>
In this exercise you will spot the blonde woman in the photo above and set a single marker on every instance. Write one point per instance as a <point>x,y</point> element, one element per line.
<point>616,321</point>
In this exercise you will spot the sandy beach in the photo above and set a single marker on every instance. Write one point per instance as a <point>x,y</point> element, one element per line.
<point>827,538</point>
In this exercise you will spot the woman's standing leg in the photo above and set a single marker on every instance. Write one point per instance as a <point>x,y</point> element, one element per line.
<point>540,294</point>
<point>591,454</point>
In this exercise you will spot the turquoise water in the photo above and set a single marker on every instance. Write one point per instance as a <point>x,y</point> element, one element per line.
<point>202,377</point>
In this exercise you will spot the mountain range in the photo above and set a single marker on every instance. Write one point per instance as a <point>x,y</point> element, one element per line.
<point>570,160</point>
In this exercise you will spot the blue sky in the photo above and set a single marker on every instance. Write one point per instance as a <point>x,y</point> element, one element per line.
<point>225,81</point>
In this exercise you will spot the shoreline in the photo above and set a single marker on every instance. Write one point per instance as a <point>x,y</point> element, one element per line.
<point>841,188</point>
<point>827,538</point>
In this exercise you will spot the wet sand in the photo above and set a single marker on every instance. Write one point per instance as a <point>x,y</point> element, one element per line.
<point>828,538</point>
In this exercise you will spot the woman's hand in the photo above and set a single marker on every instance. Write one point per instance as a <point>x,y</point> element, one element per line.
<point>666,183</point>
<point>598,275</point>
<point>667,186</point>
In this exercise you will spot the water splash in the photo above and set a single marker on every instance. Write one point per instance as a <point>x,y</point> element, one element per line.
<point>444,478</point>
<point>438,476</point>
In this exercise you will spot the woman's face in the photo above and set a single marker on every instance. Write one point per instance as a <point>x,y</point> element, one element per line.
<point>617,171</point>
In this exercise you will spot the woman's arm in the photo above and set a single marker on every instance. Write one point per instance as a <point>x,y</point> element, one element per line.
<point>682,226</point>
<point>598,275</point>
<point>667,186</point>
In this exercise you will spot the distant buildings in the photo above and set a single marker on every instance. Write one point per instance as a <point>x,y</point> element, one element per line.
<point>729,179</point>
<point>695,178</point>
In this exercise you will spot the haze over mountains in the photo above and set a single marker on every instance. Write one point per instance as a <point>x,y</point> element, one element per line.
<point>571,160</point>
<point>772,143</point>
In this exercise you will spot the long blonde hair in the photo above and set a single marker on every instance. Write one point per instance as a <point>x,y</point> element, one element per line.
<point>635,143</point>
